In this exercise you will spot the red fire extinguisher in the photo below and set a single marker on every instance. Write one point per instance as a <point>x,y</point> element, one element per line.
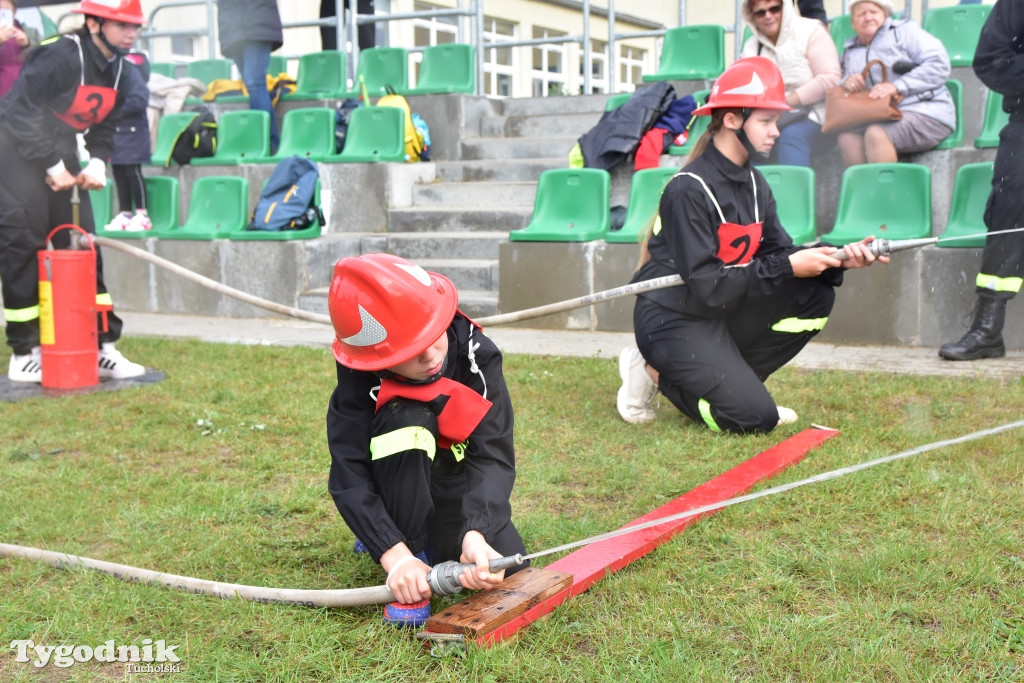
<point>67,314</point>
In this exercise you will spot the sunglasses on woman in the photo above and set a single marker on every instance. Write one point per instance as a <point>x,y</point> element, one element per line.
<point>762,13</point>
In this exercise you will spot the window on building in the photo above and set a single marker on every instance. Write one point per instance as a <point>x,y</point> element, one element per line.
<point>183,46</point>
<point>598,66</point>
<point>499,63</point>
<point>631,67</point>
<point>431,31</point>
<point>548,64</point>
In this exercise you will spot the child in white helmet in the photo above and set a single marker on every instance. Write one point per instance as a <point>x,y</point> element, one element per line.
<point>419,429</point>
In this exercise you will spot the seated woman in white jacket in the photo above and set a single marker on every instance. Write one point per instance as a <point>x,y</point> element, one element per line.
<point>807,57</point>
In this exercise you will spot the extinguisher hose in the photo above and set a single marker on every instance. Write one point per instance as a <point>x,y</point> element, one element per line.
<point>597,297</point>
<point>351,597</point>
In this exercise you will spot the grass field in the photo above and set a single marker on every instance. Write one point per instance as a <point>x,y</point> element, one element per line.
<point>912,571</point>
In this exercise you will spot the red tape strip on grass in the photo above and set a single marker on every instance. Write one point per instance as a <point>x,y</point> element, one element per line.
<point>592,562</point>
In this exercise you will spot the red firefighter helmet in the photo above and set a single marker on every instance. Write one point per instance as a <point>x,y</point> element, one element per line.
<point>748,83</point>
<point>386,310</point>
<point>128,11</point>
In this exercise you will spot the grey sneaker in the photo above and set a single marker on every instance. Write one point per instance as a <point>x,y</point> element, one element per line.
<point>638,389</point>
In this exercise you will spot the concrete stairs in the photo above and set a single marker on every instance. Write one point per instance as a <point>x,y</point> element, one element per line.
<point>483,188</point>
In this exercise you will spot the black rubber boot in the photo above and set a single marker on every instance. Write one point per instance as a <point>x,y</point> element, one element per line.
<point>985,338</point>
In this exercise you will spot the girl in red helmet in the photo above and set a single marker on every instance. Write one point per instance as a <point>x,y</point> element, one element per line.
<point>419,427</point>
<point>69,85</point>
<point>751,299</point>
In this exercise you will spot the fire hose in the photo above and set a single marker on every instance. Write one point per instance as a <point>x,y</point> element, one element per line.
<point>443,578</point>
<point>879,247</point>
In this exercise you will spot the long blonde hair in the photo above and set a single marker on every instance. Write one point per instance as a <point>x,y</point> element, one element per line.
<point>699,147</point>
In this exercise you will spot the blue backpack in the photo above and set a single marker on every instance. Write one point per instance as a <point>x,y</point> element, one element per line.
<point>288,200</point>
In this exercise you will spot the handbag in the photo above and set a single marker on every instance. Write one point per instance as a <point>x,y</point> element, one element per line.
<point>847,110</point>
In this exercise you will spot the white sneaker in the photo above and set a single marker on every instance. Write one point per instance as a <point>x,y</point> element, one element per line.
<point>119,222</point>
<point>638,389</point>
<point>27,368</point>
<point>139,222</point>
<point>116,366</point>
<point>787,416</point>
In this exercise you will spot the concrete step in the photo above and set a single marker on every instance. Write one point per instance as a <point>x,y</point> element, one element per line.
<point>518,148</point>
<point>533,106</point>
<point>541,125</point>
<point>469,219</point>
<point>453,245</point>
<point>466,274</point>
<point>474,303</point>
<point>490,169</point>
<point>513,194</point>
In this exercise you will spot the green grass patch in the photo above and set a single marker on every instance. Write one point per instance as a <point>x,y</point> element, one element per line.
<point>911,571</point>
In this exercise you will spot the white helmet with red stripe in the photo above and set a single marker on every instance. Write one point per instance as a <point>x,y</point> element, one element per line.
<point>386,310</point>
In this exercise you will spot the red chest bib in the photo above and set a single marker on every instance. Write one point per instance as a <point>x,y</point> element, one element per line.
<point>737,244</point>
<point>92,103</point>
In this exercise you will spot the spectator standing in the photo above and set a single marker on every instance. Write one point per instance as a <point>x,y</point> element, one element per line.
<point>15,41</point>
<point>132,148</point>
<point>999,63</point>
<point>249,31</point>
<point>918,67</point>
<point>807,58</point>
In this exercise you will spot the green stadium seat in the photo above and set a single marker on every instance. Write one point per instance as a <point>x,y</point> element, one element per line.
<point>161,206</point>
<point>242,135</point>
<point>617,100</point>
<point>691,53</point>
<point>310,232</point>
<point>208,70</point>
<point>167,132</point>
<point>956,138</point>
<point>571,206</point>
<point>971,189</point>
<point>163,68</point>
<point>102,201</point>
<point>219,206</point>
<point>374,134</point>
<point>380,67</point>
<point>995,119</point>
<point>449,67</point>
<point>747,35</point>
<point>793,189</point>
<point>307,132</point>
<point>278,65</point>
<point>893,201</point>
<point>697,128</point>
<point>321,75</point>
<point>645,190</point>
<point>841,31</point>
<point>959,28</point>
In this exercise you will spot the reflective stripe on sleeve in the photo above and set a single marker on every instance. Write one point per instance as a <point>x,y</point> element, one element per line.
<point>798,325</point>
<point>999,284</point>
<point>404,439</point>
<point>705,412</point>
<point>21,315</point>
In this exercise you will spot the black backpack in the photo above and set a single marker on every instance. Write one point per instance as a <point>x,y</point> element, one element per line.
<point>288,200</point>
<point>341,122</point>
<point>198,139</point>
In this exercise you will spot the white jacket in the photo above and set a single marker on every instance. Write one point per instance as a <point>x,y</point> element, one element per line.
<point>804,53</point>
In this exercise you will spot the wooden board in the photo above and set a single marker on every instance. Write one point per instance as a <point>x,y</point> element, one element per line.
<point>484,611</point>
<point>591,563</point>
